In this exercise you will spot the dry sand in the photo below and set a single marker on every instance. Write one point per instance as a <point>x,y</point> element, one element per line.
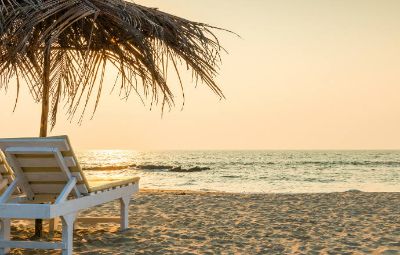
<point>181,222</point>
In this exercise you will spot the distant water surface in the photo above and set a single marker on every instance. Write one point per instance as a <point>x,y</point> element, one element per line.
<point>252,171</point>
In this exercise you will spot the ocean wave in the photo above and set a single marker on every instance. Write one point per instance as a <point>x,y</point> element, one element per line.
<point>178,169</point>
<point>231,176</point>
<point>106,168</point>
<point>152,167</point>
<point>189,170</point>
<point>294,164</point>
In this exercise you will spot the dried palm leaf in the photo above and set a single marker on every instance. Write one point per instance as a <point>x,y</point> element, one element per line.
<point>60,48</point>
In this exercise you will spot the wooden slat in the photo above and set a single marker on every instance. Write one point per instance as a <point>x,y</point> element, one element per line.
<point>104,185</point>
<point>34,155</point>
<point>32,245</point>
<point>42,198</point>
<point>44,162</point>
<point>46,170</point>
<point>25,211</point>
<point>44,176</point>
<point>47,188</point>
<point>40,151</point>
<point>52,182</point>
<point>58,143</point>
<point>53,188</point>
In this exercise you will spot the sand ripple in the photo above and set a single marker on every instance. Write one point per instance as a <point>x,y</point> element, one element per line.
<point>217,223</point>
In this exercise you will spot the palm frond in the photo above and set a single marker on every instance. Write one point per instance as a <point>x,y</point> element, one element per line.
<point>84,35</point>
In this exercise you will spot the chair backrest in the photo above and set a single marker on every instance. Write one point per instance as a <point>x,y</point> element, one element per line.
<point>44,165</point>
<point>6,174</point>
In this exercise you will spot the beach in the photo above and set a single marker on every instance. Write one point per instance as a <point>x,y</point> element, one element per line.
<point>188,222</point>
<point>240,127</point>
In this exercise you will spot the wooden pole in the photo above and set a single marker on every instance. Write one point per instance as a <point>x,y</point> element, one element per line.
<point>45,116</point>
<point>45,95</point>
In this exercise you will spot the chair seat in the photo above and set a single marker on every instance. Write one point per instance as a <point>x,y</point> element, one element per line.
<point>96,185</point>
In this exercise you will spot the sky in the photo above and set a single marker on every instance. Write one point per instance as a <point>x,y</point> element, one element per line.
<point>305,74</point>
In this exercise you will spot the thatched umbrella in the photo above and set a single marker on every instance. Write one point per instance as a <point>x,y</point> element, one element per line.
<point>60,49</point>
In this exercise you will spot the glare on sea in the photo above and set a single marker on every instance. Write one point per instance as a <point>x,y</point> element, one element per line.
<point>109,157</point>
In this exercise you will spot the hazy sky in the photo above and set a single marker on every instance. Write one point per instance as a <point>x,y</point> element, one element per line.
<point>305,75</point>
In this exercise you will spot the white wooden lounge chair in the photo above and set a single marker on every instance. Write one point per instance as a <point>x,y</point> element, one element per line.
<point>54,185</point>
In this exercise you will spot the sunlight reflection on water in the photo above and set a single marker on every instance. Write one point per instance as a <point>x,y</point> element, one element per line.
<point>253,171</point>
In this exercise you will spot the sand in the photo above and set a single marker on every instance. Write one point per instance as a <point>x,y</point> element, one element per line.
<point>182,222</point>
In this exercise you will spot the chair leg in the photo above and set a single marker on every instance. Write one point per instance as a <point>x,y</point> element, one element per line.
<point>5,234</point>
<point>53,224</point>
<point>124,203</point>
<point>68,233</point>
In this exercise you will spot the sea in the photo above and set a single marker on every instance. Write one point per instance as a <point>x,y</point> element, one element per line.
<point>250,171</point>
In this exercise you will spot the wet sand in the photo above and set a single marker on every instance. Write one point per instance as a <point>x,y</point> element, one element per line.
<point>182,222</point>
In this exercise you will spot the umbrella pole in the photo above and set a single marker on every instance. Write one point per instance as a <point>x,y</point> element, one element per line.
<point>45,95</point>
<point>44,118</point>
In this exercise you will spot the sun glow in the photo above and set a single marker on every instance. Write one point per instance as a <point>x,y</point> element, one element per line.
<point>304,75</point>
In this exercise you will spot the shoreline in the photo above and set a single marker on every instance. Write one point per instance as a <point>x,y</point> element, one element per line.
<point>199,192</point>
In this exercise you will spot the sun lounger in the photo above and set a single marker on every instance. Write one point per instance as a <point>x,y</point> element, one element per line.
<point>48,173</point>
